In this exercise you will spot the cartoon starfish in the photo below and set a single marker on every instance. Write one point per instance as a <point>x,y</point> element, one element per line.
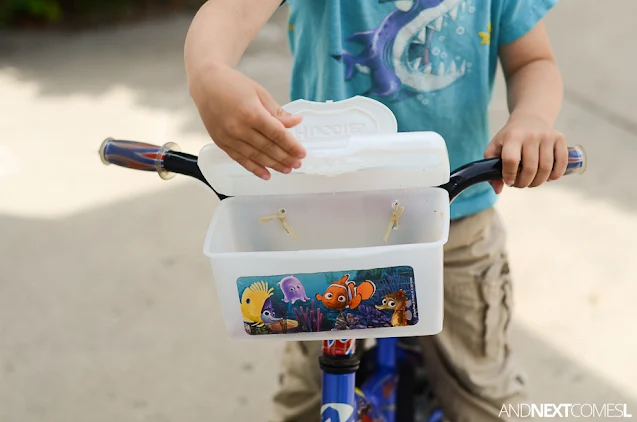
<point>486,36</point>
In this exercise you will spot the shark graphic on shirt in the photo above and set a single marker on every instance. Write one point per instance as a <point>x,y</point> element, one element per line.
<point>397,53</point>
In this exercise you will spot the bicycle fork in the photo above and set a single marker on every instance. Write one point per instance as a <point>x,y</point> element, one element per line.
<point>339,364</point>
<point>342,401</point>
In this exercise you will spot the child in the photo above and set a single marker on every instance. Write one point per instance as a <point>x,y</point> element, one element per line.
<point>432,62</point>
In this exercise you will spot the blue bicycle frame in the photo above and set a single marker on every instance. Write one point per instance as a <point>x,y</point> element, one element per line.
<point>339,364</point>
<point>376,400</point>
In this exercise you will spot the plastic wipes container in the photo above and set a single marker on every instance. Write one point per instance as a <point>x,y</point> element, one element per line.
<point>348,246</point>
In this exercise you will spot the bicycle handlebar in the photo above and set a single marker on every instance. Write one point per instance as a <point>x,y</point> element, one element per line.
<point>167,160</point>
<point>491,169</point>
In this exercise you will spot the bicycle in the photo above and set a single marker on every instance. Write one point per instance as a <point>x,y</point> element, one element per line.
<point>355,387</point>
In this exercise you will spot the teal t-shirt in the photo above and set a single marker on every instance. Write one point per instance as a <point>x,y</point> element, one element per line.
<point>432,62</point>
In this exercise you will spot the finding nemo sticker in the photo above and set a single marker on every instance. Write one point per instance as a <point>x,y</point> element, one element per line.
<point>330,301</point>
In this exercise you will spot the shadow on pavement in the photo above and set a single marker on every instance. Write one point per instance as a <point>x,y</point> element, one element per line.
<point>555,378</point>
<point>111,314</point>
<point>101,324</point>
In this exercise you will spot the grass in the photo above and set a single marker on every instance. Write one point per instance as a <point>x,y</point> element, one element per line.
<point>81,14</point>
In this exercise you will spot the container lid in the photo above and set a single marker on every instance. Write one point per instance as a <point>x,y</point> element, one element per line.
<point>352,146</point>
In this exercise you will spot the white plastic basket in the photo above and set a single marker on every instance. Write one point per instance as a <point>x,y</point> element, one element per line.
<point>324,267</point>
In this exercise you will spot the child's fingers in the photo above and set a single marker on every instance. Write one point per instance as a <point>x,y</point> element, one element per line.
<point>494,149</point>
<point>497,185</point>
<point>545,165</point>
<point>253,167</point>
<point>289,120</point>
<point>561,158</point>
<point>511,156</point>
<point>530,162</point>
<point>258,156</point>
<point>276,133</point>
<point>269,124</point>
<point>260,142</point>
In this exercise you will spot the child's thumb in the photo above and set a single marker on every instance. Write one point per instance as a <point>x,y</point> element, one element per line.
<point>497,185</point>
<point>288,119</point>
<point>493,150</point>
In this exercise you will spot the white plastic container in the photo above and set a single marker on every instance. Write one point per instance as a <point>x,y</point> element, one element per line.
<point>336,237</point>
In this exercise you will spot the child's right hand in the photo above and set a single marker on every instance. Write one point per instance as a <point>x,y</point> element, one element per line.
<point>243,119</point>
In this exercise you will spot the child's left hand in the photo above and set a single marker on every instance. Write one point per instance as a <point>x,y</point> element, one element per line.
<point>541,149</point>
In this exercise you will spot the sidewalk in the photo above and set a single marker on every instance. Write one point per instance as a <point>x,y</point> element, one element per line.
<point>108,311</point>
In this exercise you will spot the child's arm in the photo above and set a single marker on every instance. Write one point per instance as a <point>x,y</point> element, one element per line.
<point>240,115</point>
<point>535,93</point>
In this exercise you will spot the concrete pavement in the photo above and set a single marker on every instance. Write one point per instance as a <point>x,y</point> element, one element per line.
<point>107,306</point>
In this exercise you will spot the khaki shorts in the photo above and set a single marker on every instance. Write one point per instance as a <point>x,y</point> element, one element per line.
<point>470,363</point>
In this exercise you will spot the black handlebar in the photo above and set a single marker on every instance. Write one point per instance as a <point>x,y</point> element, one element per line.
<point>167,160</point>
<point>472,174</point>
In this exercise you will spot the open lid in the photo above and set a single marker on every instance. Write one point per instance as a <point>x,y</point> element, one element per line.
<point>352,146</point>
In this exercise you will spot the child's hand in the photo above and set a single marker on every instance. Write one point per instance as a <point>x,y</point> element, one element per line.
<point>243,119</point>
<point>541,149</point>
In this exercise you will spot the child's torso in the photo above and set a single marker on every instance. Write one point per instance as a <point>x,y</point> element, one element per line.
<point>431,61</point>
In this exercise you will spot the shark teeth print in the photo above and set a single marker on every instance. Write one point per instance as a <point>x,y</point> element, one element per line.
<point>443,69</point>
<point>453,14</point>
<point>437,24</point>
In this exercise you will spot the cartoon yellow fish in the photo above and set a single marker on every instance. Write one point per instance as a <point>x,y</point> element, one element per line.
<point>252,302</point>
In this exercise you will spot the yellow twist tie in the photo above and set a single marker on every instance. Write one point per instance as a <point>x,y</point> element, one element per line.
<point>393,223</point>
<point>282,218</point>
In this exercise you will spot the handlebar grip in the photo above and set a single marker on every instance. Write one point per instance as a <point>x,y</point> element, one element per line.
<point>491,169</point>
<point>577,160</point>
<point>137,155</point>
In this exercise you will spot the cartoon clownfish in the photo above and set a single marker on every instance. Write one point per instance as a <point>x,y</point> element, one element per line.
<point>344,294</point>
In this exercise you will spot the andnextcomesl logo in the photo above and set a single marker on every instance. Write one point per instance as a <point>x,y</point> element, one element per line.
<point>566,410</point>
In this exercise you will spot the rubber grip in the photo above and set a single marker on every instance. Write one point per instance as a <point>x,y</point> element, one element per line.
<point>136,155</point>
<point>576,160</point>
